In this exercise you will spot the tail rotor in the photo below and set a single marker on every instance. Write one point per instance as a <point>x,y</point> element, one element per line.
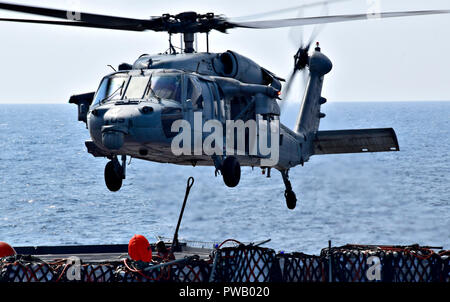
<point>301,58</point>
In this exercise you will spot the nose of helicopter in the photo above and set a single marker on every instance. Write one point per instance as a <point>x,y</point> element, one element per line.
<point>112,126</point>
<point>116,124</point>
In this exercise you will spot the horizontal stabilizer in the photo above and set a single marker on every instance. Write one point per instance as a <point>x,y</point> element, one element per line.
<point>355,141</point>
<point>80,98</point>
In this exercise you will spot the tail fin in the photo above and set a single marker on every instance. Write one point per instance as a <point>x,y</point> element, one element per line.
<point>309,116</point>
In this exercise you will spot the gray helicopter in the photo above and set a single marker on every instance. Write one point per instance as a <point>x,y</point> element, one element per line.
<point>134,109</point>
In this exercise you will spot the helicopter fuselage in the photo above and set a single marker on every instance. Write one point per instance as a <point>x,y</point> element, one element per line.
<point>142,109</point>
<point>133,111</point>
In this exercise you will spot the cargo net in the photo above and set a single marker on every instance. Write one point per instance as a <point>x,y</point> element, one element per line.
<point>244,264</point>
<point>22,268</point>
<point>235,262</point>
<point>31,269</point>
<point>74,272</point>
<point>359,263</point>
<point>190,269</point>
<point>445,267</point>
<point>299,267</point>
<point>25,269</point>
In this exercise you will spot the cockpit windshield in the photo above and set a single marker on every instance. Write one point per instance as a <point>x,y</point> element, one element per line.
<point>166,87</point>
<point>136,87</point>
<point>118,86</point>
<point>111,88</point>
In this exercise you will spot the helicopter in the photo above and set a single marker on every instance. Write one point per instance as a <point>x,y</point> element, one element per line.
<point>134,110</point>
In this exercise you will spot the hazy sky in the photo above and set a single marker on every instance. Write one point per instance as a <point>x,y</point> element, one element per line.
<point>397,59</point>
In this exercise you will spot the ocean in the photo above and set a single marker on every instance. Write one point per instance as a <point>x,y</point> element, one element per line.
<point>52,191</point>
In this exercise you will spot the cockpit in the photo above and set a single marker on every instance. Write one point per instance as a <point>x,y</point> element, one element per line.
<point>123,86</point>
<point>192,92</point>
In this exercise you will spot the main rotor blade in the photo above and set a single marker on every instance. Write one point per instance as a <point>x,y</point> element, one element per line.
<point>285,10</point>
<point>101,21</point>
<point>330,19</point>
<point>73,23</point>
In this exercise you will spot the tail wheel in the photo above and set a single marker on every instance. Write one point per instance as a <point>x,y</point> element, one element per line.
<point>231,171</point>
<point>113,181</point>
<point>291,199</point>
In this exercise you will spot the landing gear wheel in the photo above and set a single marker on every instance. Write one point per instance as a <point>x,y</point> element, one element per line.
<point>112,180</point>
<point>291,199</point>
<point>231,171</point>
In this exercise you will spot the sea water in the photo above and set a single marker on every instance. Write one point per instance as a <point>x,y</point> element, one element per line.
<point>52,191</point>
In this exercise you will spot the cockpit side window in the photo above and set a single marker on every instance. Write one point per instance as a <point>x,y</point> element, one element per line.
<point>194,93</point>
<point>136,87</point>
<point>165,87</point>
<point>218,102</point>
<point>111,88</point>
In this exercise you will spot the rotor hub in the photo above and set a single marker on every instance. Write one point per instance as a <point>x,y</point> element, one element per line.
<point>301,58</point>
<point>191,22</point>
